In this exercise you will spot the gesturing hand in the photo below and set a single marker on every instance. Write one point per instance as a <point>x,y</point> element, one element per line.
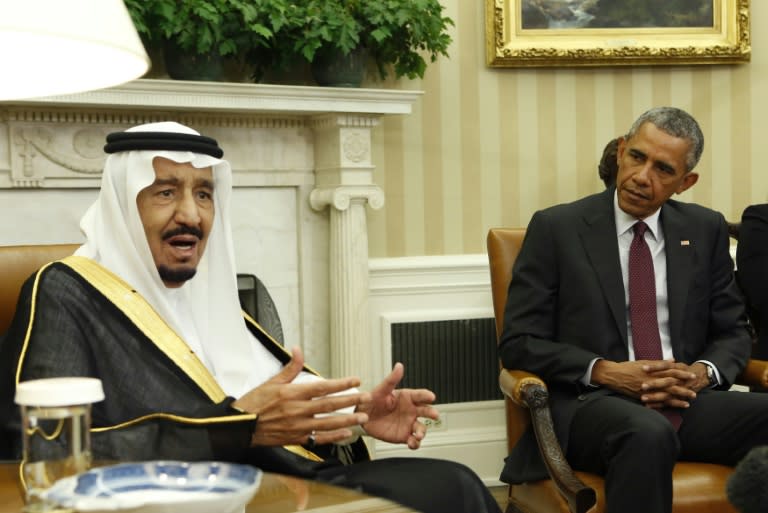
<point>287,411</point>
<point>393,414</point>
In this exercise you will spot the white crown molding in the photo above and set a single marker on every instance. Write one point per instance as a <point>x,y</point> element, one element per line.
<point>239,98</point>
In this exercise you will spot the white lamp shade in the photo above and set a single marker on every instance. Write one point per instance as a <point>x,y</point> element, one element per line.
<point>53,47</point>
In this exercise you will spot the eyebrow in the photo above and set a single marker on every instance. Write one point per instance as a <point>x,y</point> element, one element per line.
<point>202,182</point>
<point>166,181</point>
<point>658,163</point>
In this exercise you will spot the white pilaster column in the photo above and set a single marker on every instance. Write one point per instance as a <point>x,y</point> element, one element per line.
<point>344,183</point>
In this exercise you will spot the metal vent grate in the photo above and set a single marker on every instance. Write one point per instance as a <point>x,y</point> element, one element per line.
<point>456,359</point>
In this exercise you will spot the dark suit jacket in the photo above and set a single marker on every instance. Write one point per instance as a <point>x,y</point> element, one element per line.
<point>566,304</point>
<point>752,271</point>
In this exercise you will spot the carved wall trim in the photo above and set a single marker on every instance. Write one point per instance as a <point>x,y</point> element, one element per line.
<point>348,120</point>
<point>342,196</point>
<point>65,115</point>
<point>266,129</point>
<point>355,146</point>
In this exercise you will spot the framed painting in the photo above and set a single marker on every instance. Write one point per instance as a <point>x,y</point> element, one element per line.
<point>522,33</point>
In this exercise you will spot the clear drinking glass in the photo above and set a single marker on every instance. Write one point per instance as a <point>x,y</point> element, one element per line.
<point>55,424</point>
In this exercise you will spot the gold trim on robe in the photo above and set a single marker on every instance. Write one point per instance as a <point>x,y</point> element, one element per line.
<point>141,314</point>
<point>144,317</point>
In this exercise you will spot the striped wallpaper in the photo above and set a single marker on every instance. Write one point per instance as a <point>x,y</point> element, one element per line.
<point>487,147</point>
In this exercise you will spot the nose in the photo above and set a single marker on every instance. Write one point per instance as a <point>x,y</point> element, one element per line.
<point>187,211</point>
<point>643,174</point>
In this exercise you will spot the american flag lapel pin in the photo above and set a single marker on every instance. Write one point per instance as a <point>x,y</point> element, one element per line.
<point>685,242</point>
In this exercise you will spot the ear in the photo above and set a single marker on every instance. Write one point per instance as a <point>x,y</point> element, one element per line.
<point>689,179</point>
<point>621,147</point>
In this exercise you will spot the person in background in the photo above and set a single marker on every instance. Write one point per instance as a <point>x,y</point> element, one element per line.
<point>608,166</point>
<point>149,305</point>
<point>752,271</point>
<point>625,304</point>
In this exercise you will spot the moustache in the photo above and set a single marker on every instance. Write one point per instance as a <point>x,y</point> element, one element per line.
<point>183,230</point>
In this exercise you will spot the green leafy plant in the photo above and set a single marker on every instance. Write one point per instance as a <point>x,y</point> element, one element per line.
<point>396,33</point>
<point>225,27</point>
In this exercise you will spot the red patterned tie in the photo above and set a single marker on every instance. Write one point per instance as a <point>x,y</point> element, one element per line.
<point>642,306</point>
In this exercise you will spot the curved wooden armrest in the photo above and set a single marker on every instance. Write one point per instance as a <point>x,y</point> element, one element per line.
<point>513,384</point>
<point>529,391</point>
<point>755,374</point>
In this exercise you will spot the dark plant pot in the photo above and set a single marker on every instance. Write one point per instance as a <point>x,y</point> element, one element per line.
<point>296,73</point>
<point>332,68</point>
<point>184,65</point>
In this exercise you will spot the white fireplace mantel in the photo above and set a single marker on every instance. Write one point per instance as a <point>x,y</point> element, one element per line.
<point>303,176</point>
<point>237,98</point>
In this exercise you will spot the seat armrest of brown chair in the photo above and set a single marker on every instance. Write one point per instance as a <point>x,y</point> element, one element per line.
<point>529,391</point>
<point>755,375</point>
<point>519,386</point>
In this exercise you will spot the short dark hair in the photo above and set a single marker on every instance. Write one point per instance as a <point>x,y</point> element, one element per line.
<point>609,166</point>
<point>675,122</point>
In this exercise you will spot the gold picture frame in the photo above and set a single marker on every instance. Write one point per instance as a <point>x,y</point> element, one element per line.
<point>508,44</point>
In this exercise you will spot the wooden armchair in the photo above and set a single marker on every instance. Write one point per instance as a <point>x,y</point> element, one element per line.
<point>697,487</point>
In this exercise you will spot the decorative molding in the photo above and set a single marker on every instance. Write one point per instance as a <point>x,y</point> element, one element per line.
<point>40,151</point>
<point>355,146</point>
<point>84,159</point>
<point>344,120</point>
<point>430,274</point>
<point>342,196</point>
<point>180,95</point>
<point>54,142</point>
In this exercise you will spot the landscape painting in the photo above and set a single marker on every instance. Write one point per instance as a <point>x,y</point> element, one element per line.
<point>616,32</point>
<point>617,14</point>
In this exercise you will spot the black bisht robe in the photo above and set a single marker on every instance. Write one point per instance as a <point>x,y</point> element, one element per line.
<point>75,318</point>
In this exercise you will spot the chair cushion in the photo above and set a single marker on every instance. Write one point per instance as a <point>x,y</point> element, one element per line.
<point>697,488</point>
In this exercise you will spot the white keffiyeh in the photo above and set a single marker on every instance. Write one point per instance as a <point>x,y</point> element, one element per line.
<point>205,311</point>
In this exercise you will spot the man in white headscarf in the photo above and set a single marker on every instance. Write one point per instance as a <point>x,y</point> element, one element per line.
<point>149,305</point>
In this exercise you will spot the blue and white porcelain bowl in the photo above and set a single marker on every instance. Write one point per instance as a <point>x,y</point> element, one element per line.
<point>159,487</point>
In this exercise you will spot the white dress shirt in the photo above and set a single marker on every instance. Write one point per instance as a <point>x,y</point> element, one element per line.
<point>654,237</point>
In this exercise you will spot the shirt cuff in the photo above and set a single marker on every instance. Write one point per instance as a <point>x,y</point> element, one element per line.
<point>586,379</point>
<point>714,368</point>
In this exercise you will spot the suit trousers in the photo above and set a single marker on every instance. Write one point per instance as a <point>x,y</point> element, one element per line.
<point>635,447</point>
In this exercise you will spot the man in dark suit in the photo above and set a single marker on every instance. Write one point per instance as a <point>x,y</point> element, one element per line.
<point>638,360</point>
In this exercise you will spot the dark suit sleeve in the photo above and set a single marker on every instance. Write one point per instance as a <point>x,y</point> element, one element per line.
<point>529,340</point>
<point>752,268</point>
<point>726,339</point>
